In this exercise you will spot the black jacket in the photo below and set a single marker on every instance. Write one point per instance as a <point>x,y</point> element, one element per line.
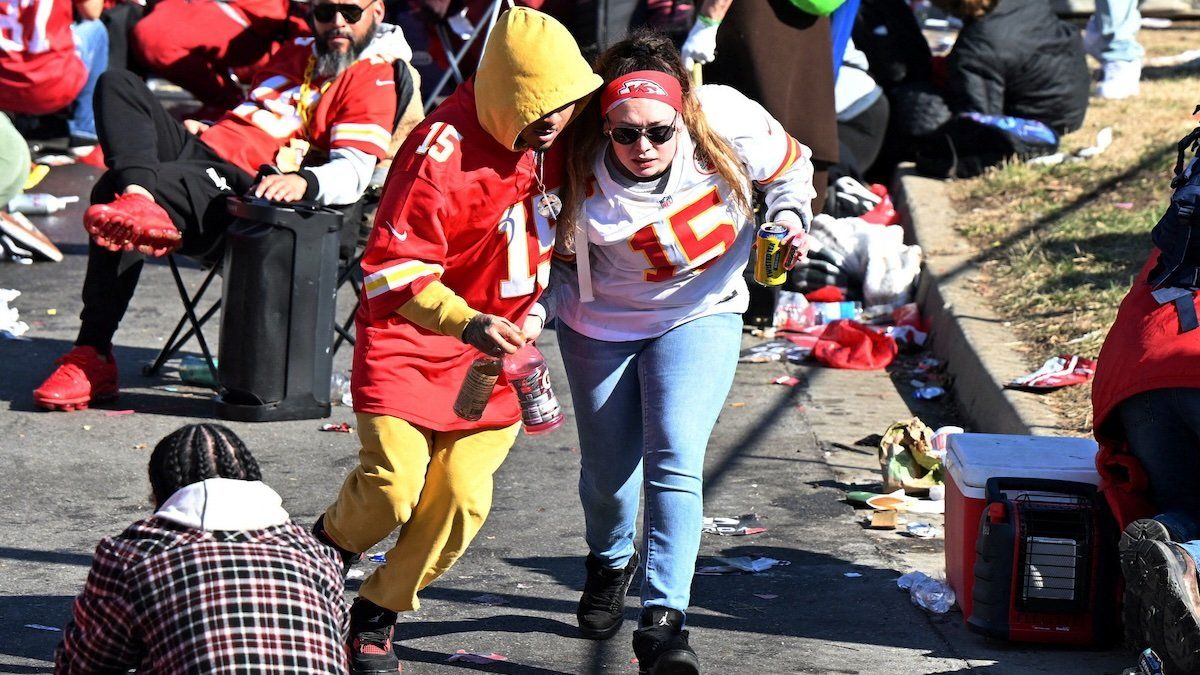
<point>1020,60</point>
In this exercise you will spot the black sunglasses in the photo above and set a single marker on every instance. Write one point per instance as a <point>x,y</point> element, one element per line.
<point>351,13</point>
<point>657,134</point>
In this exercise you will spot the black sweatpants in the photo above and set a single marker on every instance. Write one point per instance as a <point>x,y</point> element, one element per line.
<point>145,146</point>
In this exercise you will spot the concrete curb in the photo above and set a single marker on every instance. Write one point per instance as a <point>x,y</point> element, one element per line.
<point>965,332</point>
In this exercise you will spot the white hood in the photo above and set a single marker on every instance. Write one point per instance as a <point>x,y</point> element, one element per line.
<point>225,504</point>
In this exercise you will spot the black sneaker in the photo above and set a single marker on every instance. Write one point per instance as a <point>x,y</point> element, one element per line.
<point>661,644</point>
<point>371,630</point>
<point>348,557</point>
<point>1136,615</point>
<point>1173,590</point>
<point>603,601</point>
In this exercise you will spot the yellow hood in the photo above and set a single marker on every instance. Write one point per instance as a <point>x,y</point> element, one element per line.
<point>531,66</point>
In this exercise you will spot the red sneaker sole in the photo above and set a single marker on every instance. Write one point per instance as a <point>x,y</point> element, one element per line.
<point>60,405</point>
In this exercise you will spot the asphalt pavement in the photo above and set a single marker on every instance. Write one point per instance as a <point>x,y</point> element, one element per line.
<point>785,453</point>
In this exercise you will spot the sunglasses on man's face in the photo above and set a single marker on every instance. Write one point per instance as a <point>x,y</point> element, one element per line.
<point>351,13</point>
<point>657,134</point>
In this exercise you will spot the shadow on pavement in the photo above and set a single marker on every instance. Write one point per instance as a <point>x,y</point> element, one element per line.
<point>17,612</point>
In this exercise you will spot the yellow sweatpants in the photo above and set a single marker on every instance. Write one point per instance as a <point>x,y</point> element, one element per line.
<point>435,486</point>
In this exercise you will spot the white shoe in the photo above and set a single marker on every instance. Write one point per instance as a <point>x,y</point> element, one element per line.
<point>1121,79</point>
<point>17,227</point>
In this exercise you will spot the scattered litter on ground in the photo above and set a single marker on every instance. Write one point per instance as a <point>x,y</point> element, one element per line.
<point>786,380</point>
<point>773,351</point>
<point>1057,372</point>
<point>860,496</point>
<point>738,404</point>
<point>1104,139</point>
<point>476,657</point>
<point>766,596</point>
<point>11,326</point>
<point>489,599</point>
<point>905,457</point>
<point>929,393</point>
<point>898,501</point>
<point>740,565</point>
<point>854,346</point>
<point>339,389</point>
<point>38,626</point>
<point>1124,205</point>
<point>343,428</point>
<point>1148,663</point>
<point>52,312</point>
<point>921,530</point>
<point>883,520</point>
<point>194,370</point>
<point>139,446</point>
<point>87,427</point>
<point>927,592</point>
<point>744,524</point>
<point>1184,58</point>
<point>355,574</point>
<point>852,575</point>
<point>118,413</point>
<point>377,557</point>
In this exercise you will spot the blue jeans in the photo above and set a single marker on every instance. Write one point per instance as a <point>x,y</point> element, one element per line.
<point>1163,430</point>
<point>645,410</point>
<point>91,44</point>
<point>1116,23</point>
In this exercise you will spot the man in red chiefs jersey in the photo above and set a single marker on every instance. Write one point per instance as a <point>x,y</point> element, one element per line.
<point>459,254</point>
<point>47,62</point>
<point>320,112</point>
<point>196,43</point>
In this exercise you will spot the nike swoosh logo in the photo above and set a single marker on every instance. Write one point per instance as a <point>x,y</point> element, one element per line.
<point>384,83</point>
<point>397,235</point>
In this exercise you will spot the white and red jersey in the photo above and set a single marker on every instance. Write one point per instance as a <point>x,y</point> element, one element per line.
<point>661,260</point>
<point>457,207</point>
<point>39,70</point>
<point>354,110</point>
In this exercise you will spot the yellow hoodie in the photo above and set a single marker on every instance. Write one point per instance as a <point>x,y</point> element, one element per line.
<point>530,67</point>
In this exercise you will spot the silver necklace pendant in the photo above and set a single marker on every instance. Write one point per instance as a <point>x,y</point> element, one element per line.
<point>549,206</point>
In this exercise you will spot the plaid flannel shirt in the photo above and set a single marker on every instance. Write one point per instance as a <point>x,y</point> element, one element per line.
<point>164,598</point>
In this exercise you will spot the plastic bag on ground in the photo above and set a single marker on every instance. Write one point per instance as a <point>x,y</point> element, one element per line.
<point>907,459</point>
<point>927,592</point>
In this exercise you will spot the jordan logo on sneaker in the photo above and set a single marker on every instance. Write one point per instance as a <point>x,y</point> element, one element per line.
<point>218,179</point>
<point>664,620</point>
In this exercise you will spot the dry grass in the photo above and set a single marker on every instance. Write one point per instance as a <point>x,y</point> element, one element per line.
<point>1062,243</point>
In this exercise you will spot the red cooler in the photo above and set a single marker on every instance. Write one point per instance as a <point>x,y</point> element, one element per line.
<point>972,459</point>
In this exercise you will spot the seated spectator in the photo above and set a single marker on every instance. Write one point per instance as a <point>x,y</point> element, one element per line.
<point>20,240</point>
<point>219,578</point>
<point>1146,417</point>
<point>48,63</point>
<point>197,43</point>
<point>320,111</point>
<point>862,113</point>
<point>1017,79</point>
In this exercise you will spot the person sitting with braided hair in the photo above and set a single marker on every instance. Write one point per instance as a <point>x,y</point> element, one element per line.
<point>218,576</point>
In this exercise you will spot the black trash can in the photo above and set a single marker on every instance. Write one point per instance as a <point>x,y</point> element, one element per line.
<point>279,295</point>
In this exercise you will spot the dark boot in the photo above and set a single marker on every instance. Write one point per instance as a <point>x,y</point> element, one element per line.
<point>661,644</point>
<point>1173,590</point>
<point>371,630</point>
<point>1135,614</point>
<point>603,601</point>
<point>348,557</point>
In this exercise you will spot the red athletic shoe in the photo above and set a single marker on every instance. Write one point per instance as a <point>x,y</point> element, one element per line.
<point>83,377</point>
<point>884,212</point>
<point>132,222</point>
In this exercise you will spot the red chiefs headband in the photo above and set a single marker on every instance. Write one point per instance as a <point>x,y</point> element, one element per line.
<point>651,84</point>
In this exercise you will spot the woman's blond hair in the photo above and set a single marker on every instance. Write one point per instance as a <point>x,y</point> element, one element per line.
<point>644,49</point>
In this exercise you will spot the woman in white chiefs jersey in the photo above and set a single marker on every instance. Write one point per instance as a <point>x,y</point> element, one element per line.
<point>657,218</point>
